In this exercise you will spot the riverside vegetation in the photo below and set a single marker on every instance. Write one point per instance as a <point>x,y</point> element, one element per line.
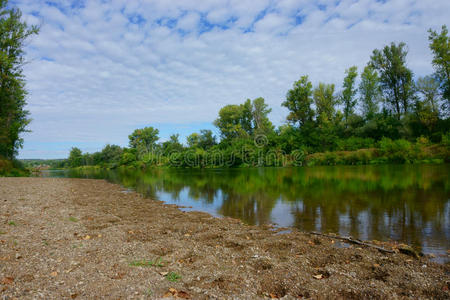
<point>387,118</point>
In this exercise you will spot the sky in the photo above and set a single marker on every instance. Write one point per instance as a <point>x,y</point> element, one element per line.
<point>100,69</point>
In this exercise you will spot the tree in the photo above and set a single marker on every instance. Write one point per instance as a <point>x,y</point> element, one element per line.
<point>395,78</point>
<point>325,100</point>
<point>144,140</point>
<point>440,46</point>
<point>75,157</point>
<point>260,111</point>
<point>298,102</point>
<point>193,140</point>
<point>370,92</point>
<point>429,88</point>
<point>13,116</point>
<point>172,145</point>
<point>111,153</point>
<point>349,92</point>
<point>207,139</point>
<point>230,122</point>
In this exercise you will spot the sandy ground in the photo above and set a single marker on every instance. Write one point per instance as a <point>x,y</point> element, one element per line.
<point>88,239</point>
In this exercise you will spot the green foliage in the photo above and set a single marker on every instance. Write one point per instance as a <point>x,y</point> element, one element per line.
<point>299,101</point>
<point>173,277</point>
<point>13,117</point>
<point>395,77</point>
<point>144,140</point>
<point>75,158</point>
<point>370,92</point>
<point>325,101</point>
<point>440,46</point>
<point>349,92</point>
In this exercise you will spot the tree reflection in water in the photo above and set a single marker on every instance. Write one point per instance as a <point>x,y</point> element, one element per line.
<point>408,203</point>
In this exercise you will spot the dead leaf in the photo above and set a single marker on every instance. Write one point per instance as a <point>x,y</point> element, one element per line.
<point>73,296</point>
<point>88,237</point>
<point>376,265</point>
<point>273,296</point>
<point>7,280</point>
<point>183,295</point>
<point>99,235</point>
<point>319,276</point>
<point>163,273</point>
<point>173,291</point>
<point>187,234</point>
<point>54,274</point>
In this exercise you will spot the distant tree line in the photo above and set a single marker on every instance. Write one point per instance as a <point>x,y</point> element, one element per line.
<point>387,117</point>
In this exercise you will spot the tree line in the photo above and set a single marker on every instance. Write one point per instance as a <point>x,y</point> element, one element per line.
<point>386,117</point>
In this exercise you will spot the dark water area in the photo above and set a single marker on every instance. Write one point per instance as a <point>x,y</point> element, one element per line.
<point>405,203</point>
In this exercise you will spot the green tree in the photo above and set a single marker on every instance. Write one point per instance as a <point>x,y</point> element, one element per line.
<point>13,116</point>
<point>207,139</point>
<point>247,117</point>
<point>260,111</point>
<point>429,88</point>
<point>144,140</point>
<point>349,91</point>
<point>370,92</point>
<point>111,153</point>
<point>193,140</point>
<point>230,122</point>
<point>440,46</point>
<point>395,77</point>
<point>298,102</point>
<point>172,145</point>
<point>325,101</point>
<point>75,157</point>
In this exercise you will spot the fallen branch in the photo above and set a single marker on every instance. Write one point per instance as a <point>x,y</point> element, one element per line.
<point>353,241</point>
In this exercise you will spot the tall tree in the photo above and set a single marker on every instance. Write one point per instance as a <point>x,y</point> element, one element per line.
<point>172,145</point>
<point>325,101</point>
<point>429,88</point>
<point>13,116</point>
<point>370,92</point>
<point>395,77</point>
<point>260,111</point>
<point>230,122</point>
<point>298,102</point>
<point>75,157</point>
<point>349,91</point>
<point>440,46</point>
<point>207,139</point>
<point>144,140</point>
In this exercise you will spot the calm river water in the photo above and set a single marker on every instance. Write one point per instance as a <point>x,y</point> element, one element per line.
<point>407,203</point>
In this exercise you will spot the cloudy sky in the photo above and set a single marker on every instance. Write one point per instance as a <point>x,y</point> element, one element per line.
<point>100,69</point>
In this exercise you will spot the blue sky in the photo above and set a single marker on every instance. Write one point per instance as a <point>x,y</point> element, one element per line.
<point>100,69</point>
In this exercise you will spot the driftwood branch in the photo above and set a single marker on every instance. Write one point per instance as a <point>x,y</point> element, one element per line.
<point>353,241</point>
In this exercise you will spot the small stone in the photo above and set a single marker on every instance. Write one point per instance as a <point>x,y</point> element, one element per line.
<point>18,256</point>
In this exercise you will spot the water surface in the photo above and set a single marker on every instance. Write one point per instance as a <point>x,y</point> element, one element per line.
<point>407,203</point>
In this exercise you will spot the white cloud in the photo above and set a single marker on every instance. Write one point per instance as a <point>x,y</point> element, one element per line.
<point>101,70</point>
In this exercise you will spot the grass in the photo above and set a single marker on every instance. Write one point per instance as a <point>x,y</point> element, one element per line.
<point>173,277</point>
<point>147,263</point>
<point>73,219</point>
<point>12,223</point>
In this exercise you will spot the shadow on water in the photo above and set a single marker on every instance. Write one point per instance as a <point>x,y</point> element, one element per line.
<point>408,203</point>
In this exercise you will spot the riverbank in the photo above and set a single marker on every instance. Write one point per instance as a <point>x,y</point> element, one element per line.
<point>74,238</point>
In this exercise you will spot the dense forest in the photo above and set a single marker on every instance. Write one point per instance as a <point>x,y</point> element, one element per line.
<point>384,117</point>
